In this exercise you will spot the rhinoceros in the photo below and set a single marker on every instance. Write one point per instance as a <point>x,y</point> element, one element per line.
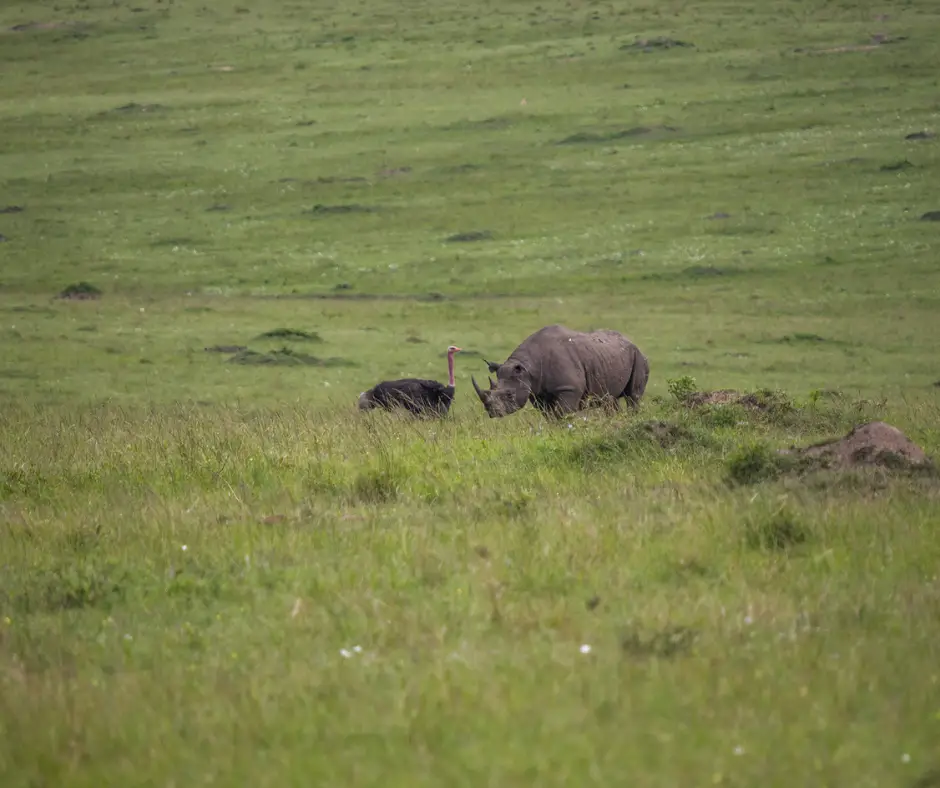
<point>560,371</point>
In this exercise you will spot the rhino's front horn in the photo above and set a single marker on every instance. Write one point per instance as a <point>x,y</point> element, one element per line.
<point>480,393</point>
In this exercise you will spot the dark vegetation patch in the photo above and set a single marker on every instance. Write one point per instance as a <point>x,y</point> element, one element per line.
<point>486,124</point>
<point>921,135</point>
<point>3,238</point>
<point>291,334</point>
<point>81,291</point>
<point>31,309</point>
<point>694,272</point>
<point>700,271</point>
<point>413,340</point>
<point>638,439</point>
<point>778,530</point>
<point>469,237</point>
<point>719,215</point>
<point>11,209</point>
<point>220,208</point>
<point>80,583</point>
<point>285,357</point>
<point>806,338</point>
<point>897,166</point>
<point>225,348</point>
<point>929,779</point>
<point>755,463</point>
<point>341,296</point>
<point>931,216</point>
<point>180,241</point>
<point>332,179</point>
<point>850,160</point>
<point>654,44</point>
<point>459,169</point>
<point>590,138</point>
<point>377,485</point>
<point>391,172</point>
<point>875,41</point>
<point>666,643</point>
<point>135,107</point>
<point>340,210</point>
<point>27,26</point>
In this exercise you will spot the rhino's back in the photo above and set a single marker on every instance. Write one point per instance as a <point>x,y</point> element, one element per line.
<point>607,357</point>
<point>599,360</point>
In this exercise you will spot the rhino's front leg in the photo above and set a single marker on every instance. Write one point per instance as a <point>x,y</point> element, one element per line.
<point>566,402</point>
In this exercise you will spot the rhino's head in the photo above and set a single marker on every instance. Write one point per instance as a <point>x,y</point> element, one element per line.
<point>509,393</point>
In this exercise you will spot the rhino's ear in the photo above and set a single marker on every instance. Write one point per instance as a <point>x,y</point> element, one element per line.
<point>492,367</point>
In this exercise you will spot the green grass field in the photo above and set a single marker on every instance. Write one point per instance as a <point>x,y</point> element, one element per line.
<point>217,573</point>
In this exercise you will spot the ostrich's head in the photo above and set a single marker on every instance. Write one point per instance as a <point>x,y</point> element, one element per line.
<point>453,349</point>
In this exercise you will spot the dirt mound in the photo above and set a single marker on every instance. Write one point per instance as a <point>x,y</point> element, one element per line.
<point>874,443</point>
<point>757,400</point>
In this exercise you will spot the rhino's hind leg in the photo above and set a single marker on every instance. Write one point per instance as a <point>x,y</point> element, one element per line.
<point>639,377</point>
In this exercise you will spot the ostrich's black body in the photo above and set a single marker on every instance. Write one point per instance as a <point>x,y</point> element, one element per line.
<point>421,397</point>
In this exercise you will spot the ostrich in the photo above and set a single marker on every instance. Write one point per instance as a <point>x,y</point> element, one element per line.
<point>420,397</point>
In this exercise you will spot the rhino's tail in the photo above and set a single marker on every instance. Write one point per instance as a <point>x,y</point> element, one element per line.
<point>639,377</point>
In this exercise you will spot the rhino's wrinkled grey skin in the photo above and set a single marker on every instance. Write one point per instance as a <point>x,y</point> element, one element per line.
<point>561,371</point>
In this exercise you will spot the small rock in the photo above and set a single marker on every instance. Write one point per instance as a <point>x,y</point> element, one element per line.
<point>931,216</point>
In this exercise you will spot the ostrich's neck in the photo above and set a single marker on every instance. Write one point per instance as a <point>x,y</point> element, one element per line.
<point>450,369</point>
